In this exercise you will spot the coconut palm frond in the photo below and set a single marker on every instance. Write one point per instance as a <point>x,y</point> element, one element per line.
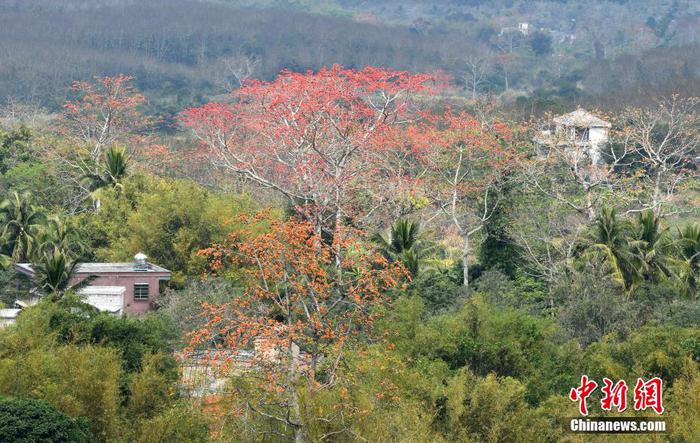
<point>113,171</point>
<point>5,261</point>
<point>650,246</point>
<point>21,220</point>
<point>688,263</point>
<point>402,242</point>
<point>116,164</point>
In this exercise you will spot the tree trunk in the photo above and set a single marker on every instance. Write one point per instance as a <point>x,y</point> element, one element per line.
<point>465,261</point>
<point>336,231</point>
<point>656,202</point>
<point>297,420</point>
<point>589,205</point>
<point>298,435</point>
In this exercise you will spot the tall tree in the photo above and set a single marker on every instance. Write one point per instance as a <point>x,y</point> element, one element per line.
<point>465,160</point>
<point>105,112</point>
<point>499,249</point>
<point>233,71</point>
<point>299,312</point>
<point>665,138</point>
<point>476,70</point>
<point>316,138</point>
<point>541,43</point>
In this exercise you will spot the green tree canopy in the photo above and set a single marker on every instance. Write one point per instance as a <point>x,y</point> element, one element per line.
<point>24,420</point>
<point>169,220</point>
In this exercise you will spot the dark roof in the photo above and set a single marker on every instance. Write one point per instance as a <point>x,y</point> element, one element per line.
<point>98,268</point>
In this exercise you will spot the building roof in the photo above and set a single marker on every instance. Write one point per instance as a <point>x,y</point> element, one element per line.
<point>21,304</point>
<point>99,268</point>
<point>580,118</point>
<point>9,313</point>
<point>86,268</point>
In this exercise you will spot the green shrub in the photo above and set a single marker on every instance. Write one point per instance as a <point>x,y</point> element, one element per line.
<point>34,421</point>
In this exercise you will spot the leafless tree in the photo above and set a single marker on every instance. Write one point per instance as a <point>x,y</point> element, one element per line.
<point>476,70</point>
<point>509,40</point>
<point>18,113</point>
<point>546,233</point>
<point>665,140</point>
<point>505,62</point>
<point>233,71</point>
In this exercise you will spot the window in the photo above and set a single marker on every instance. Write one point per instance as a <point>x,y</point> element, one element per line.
<point>582,134</point>
<point>141,291</point>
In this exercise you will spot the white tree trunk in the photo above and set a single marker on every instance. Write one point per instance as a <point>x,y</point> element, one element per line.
<point>465,261</point>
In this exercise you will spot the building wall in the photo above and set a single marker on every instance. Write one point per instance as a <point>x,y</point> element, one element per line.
<point>598,137</point>
<point>5,322</point>
<point>128,280</point>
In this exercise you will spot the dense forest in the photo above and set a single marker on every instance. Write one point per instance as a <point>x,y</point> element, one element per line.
<point>375,230</point>
<point>183,51</point>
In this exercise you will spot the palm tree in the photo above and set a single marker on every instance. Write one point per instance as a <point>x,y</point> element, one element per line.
<point>649,246</point>
<point>689,264</point>
<point>402,242</point>
<point>609,239</point>
<point>53,272</point>
<point>20,220</point>
<point>5,260</point>
<point>114,170</point>
<point>56,234</point>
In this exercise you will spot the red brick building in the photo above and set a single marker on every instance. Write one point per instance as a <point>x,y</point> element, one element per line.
<point>134,285</point>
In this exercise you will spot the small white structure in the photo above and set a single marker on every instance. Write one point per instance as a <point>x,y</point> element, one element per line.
<point>8,317</point>
<point>579,130</point>
<point>522,28</point>
<point>108,299</point>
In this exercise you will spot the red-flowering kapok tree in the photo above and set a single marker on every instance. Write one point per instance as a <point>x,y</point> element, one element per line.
<point>299,312</point>
<point>319,139</point>
<point>465,159</point>
<point>105,112</point>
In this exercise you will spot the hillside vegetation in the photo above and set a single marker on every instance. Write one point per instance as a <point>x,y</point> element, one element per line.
<point>378,225</point>
<point>183,51</point>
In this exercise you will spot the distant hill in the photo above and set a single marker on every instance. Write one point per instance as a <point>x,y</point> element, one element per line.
<point>184,51</point>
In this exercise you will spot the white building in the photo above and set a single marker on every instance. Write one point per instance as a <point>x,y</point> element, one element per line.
<point>523,28</point>
<point>8,317</point>
<point>580,131</point>
<point>108,299</point>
